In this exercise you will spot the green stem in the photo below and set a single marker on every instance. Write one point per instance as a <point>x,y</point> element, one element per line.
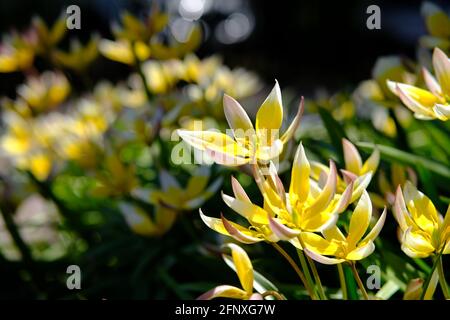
<point>428,281</point>
<point>342,281</point>
<point>274,294</point>
<point>296,269</point>
<point>442,281</point>
<point>314,270</point>
<point>358,280</point>
<point>317,278</point>
<point>305,268</point>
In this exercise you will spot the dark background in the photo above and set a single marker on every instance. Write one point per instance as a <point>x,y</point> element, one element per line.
<point>303,44</point>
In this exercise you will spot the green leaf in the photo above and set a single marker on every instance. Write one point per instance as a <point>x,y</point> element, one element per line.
<point>390,153</point>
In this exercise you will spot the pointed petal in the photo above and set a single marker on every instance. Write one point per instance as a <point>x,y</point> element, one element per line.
<point>224,291</point>
<point>239,191</point>
<point>441,65</point>
<point>333,233</point>
<point>417,242</point>
<point>137,219</point>
<point>239,234</point>
<point>322,259</point>
<point>431,82</point>
<point>250,211</point>
<point>327,193</point>
<point>244,268</point>
<point>270,114</point>
<point>281,231</point>
<point>295,123</point>
<point>418,100</point>
<point>359,222</point>
<point>299,188</point>
<point>319,245</point>
<point>361,252</point>
<point>421,208</point>
<point>214,224</point>
<point>353,162</point>
<point>226,159</point>
<point>372,162</point>
<point>442,111</point>
<point>400,211</point>
<point>344,201</point>
<point>237,119</point>
<point>214,141</point>
<point>360,185</point>
<point>373,234</point>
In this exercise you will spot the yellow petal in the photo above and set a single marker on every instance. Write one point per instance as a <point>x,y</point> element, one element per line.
<point>137,220</point>
<point>360,219</point>
<point>116,51</point>
<point>371,163</point>
<point>322,259</point>
<point>295,123</point>
<point>250,211</point>
<point>431,82</point>
<point>40,166</point>
<point>299,188</point>
<point>213,141</point>
<point>361,252</point>
<point>441,66</point>
<point>418,100</point>
<point>270,115</point>
<point>353,162</point>
<point>327,193</point>
<point>416,243</point>
<point>401,214</point>
<point>421,208</point>
<point>238,119</point>
<point>244,268</point>
<point>373,234</point>
<point>240,234</point>
<point>319,245</point>
<point>238,190</point>
<point>281,231</point>
<point>333,233</point>
<point>224,291</point>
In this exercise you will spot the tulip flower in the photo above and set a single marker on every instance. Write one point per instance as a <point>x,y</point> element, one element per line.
<point>434,102</point>
<point>15,56</point>
<point>80,57</point>
<point>45,92</point>
<point>48,37</point>
<point>334,247</point>
<point>173,195</point>
<point>307,207</point>
<point>423,231</point>
<point>250,144</point>
<point>143,224</point>
<point>437,22</point>
<point>355,170</point>
<point>244,269</point>
<point>122,50</point>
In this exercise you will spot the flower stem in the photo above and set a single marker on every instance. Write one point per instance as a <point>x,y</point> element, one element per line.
<point>442,281</point>
<point>342,281</point>
<point>427,291</point>
<point>296,269</point>
<point>358,280</point>
<point>305,268</point>
<point>274,294</point>
<point>317,278</point>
